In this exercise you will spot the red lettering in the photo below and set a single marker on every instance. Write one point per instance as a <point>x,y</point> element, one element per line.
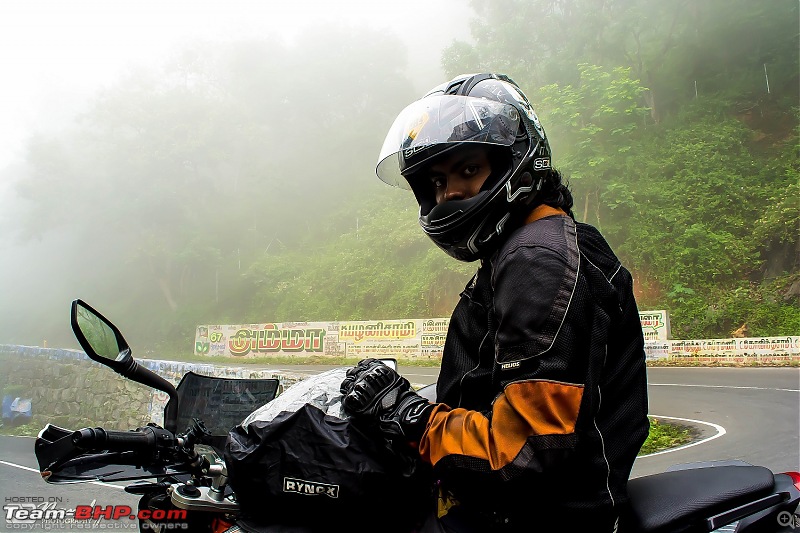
<point>120,511</point>
<point>115,512</point>
<point>103,512</point>
<point>176,514</point>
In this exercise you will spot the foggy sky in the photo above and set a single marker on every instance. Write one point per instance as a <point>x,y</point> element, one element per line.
<point>56,56</point>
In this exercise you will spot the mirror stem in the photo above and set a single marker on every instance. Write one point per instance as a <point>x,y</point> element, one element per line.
<point>145,376</point>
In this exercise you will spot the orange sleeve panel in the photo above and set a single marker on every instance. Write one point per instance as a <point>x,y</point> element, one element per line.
<point>524,409</point>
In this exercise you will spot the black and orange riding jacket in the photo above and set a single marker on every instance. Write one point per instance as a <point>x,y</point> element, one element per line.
<point>542,389</point>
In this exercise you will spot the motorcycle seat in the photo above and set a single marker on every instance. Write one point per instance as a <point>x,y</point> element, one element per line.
<point>687,497</point>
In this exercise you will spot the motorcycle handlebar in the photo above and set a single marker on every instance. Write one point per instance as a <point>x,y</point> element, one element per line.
<point>141,440</point>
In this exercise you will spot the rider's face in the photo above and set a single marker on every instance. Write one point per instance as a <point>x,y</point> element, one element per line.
<point>460,173</point>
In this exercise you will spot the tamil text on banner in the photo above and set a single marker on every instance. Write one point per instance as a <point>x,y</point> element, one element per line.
<point>655,325</point>
<point>407,338</point>
<point>763,349</point>
<point>395,338</point>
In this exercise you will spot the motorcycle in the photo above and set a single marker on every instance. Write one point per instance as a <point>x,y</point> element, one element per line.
<point>189,487</point>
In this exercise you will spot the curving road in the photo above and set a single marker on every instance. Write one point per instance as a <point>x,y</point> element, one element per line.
<point>757,409</point>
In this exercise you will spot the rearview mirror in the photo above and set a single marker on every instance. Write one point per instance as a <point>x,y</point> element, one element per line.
<point>103,343</point>
<point>99,338</point>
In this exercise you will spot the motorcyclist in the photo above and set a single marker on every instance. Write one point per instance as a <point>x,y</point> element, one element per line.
<point>541,399</point>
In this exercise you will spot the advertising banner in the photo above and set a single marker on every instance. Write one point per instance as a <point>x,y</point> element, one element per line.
<point>761,348</point>
<point>407,338</point>
<point>424,338</point>
<point>388,338</point>
<point>655,325</point>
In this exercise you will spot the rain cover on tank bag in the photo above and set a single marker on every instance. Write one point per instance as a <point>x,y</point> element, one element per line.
<point>321,391</point>
<point>304,459</point>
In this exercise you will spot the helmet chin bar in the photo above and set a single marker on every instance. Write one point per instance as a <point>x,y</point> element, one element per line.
<point>471,241</point>
<point>498,229</point>
<point>445,213</point>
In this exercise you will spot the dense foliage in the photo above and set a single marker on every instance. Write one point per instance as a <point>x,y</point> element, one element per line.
<point>236,184</point>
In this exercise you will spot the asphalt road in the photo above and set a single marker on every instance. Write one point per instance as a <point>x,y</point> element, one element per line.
<point>759,409</point>
<point>752,414</point>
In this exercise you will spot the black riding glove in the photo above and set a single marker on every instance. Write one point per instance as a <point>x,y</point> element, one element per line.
<point>374,391</point>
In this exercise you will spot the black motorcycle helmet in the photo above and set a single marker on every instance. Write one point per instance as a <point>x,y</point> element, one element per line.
<point>479,108</point>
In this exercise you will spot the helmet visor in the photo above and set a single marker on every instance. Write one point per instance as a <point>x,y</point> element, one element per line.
<point>441,119</point>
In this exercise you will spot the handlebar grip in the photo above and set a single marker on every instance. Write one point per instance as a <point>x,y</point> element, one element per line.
<point>101,439</point>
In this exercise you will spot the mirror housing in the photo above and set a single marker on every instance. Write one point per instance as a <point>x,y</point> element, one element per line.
<point>99,338</point>
<point>103,343</point>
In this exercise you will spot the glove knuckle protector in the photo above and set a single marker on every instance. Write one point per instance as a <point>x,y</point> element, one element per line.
<point>378,392</point>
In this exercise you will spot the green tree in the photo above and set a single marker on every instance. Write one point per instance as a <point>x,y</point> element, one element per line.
<point>593,123</point>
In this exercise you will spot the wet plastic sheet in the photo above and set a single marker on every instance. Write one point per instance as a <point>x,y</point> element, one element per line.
<point>321,391</point>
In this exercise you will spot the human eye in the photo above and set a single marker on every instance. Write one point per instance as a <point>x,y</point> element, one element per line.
<point>471,169</point>
<point>437,181</point>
